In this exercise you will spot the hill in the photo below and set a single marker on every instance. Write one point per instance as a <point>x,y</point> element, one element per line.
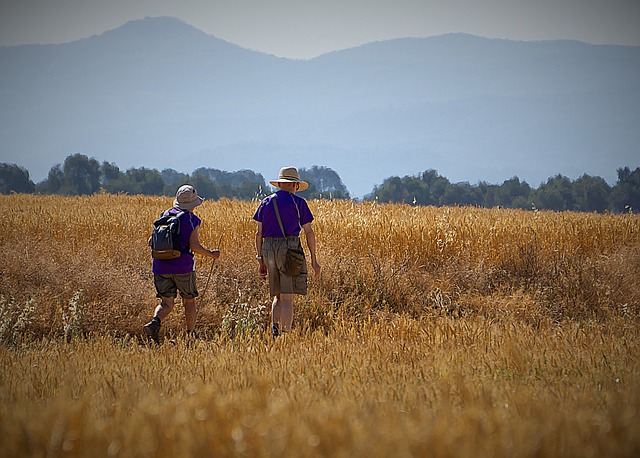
<point>159,93</point>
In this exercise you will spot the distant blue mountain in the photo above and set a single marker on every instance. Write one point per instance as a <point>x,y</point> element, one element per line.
<point>160,93</point>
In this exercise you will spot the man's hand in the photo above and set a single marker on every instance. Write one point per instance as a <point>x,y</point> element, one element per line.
<point>262,269</point>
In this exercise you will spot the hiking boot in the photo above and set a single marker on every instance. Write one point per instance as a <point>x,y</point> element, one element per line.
<point>152,329</point>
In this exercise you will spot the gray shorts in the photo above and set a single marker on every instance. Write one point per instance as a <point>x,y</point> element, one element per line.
<point>169,285</point>
<point>274,251</point>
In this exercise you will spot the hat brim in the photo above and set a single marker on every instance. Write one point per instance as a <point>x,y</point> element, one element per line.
<point>189,205</point>
<point>303,184</point>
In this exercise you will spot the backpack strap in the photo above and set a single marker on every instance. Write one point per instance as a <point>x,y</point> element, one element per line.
<point>275,207</point>
<point>297,210</point>
<point>177,215</point>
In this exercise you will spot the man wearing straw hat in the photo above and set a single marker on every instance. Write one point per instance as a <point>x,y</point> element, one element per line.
<point>179,274</point>
<point>285,212</point>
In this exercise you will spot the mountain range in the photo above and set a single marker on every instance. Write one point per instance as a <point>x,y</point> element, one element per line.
<point>160,93</point>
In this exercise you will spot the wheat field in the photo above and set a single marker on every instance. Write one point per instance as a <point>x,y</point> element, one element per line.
<point>432,332</point>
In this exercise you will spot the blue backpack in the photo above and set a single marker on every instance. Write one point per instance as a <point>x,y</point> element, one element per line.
<point>165,238</point>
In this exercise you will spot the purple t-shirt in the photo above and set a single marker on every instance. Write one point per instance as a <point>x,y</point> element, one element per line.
<point>185,263</point>
<point>287,203</point>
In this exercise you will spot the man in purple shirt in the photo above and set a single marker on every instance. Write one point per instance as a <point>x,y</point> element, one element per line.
<point>272,245</point>
<point>179,274</point>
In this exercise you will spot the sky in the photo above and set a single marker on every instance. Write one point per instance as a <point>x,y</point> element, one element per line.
<point>303,29</point>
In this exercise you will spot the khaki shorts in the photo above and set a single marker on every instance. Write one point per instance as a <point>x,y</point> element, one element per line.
<point>169,285</point>
<point>274,251</point>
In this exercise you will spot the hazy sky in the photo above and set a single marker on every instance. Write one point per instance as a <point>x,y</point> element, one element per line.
<point>303,29</point>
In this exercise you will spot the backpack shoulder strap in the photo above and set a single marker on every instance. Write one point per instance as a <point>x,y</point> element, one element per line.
<point>297,210</point>
<point>177,215</point>
<point>275,207</point>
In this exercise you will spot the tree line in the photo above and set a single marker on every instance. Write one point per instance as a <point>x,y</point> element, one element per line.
<point>586,194</point>
<point>81,175</point>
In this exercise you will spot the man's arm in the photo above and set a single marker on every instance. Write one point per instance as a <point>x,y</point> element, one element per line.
<point>311,244</point>
<point>196,246</point>
<point>262,266</point>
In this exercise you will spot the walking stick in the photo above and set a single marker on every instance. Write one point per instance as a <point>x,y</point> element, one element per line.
<point>213,263</point>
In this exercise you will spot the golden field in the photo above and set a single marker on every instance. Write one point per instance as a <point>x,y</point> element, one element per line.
<point>432,332</point>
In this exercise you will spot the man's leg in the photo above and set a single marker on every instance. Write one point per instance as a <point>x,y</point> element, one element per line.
<point>152,329</point>
<point>190,313</point>
<point>165,307</point>
<point>282,312</point>
<point>286,311</point>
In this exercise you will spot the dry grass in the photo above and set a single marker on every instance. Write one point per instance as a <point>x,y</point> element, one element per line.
<point>433,332</point>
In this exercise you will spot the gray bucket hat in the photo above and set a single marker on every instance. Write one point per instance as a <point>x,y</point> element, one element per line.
<point>187,198</point>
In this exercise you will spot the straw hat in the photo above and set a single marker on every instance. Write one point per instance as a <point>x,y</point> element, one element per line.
<point>290,175</point>
<point>187,198</point>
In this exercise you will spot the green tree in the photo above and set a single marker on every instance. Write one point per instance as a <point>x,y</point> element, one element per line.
<point>133,181</point>
<point>415,191</point>
<point>15,179</point>
<point>111,178</point>
<point>460,194</point>
<point>248,190</point>
<point>81,175</point>
<point>490,194</point>
<point>625,195</point>
<point>427,188</point>
<point>173,180</point>
<point>144,181</point>
<point>53,183</point>
<point>324,183</point>
<point>556,194</point>
<point>436,186</point>
<point>205,186</point>
<point>392,189</point>
<point>78,175</point>
<point>592,194</point>
<point>511,191</point>
<point>242,184</point>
